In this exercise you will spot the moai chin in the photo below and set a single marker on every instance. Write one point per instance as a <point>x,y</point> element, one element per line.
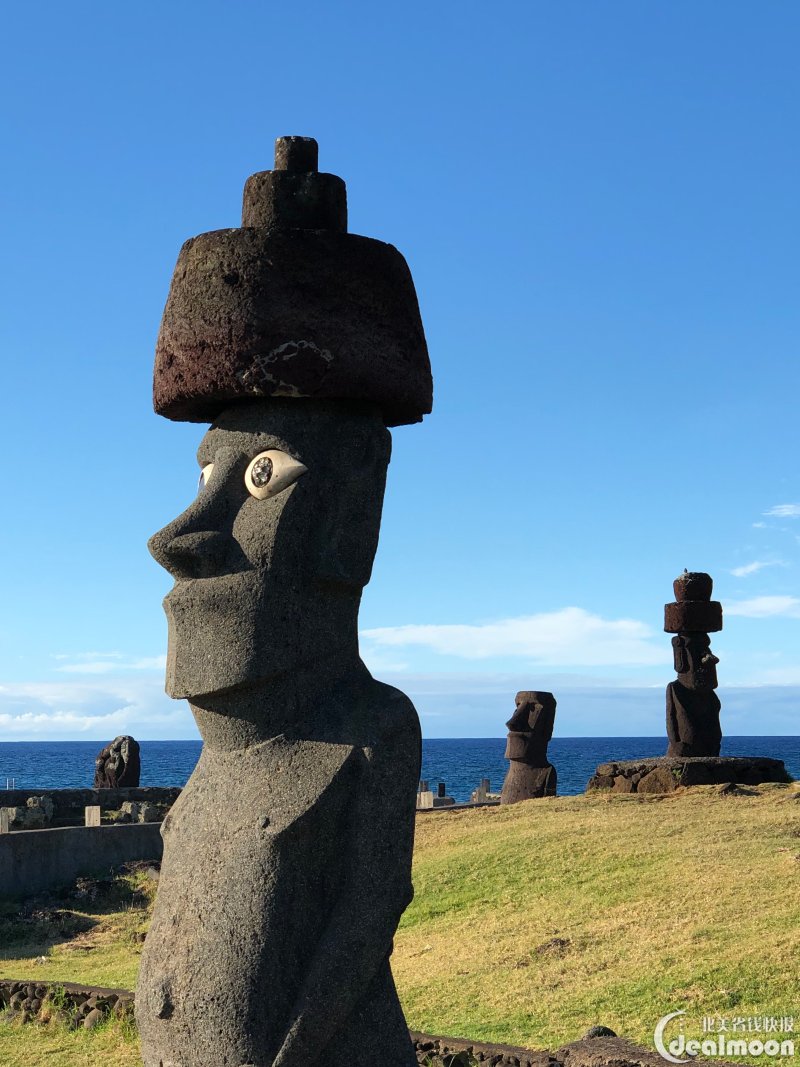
<point>693,707</point>
<point>287,858</point>
<point>530,729</point>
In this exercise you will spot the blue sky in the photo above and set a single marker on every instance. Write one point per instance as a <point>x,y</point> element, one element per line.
<point>598,203</point>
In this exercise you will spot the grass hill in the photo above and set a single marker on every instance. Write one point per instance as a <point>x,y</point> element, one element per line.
<point>530,923</point>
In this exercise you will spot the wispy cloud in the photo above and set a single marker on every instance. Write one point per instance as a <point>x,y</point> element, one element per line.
<point>108,663</point>
<point>785,511</point>
<point>759,526</point>
<point>571,637</point>
<point>94,709</point>
<point>755,566</point>
<point>764,607</point>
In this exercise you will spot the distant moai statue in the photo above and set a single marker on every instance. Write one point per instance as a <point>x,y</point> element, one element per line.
<point>530,728</point>
<point>118,765</point>
<point>287,857</point>
<point>693,707</point>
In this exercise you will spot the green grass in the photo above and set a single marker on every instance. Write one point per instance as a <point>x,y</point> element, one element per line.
<point>530,923</point>
<point>687,901</point>
<point>55,1045</point>
<point>91,935</point>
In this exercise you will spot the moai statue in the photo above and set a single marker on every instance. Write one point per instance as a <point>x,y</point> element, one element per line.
<point>287,858</point>
<point>530,728</point>
<point>118,765</point>
<point>692,705</point>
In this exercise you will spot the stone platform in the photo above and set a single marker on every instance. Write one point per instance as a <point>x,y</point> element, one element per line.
<point>667,773</point>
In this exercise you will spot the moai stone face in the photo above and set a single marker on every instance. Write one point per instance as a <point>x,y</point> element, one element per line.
<point>530,730</point>
<point>271,584</point>
<point>695,663</point>
<point>287,857</point>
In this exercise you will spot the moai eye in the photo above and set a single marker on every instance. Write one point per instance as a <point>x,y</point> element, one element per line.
<point>269,473</point>
<point>205,474</point>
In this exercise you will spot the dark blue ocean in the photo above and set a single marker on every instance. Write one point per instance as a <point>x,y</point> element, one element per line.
<point>459,763</point>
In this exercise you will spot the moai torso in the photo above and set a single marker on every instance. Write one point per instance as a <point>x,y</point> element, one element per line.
<point>693,707</point>
<point>530,774</point>
<point>287,857</point>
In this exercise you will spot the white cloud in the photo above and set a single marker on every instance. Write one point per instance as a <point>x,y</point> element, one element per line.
<point>764,607</point>
<point>52,711</point>
<point>756,565</point>
<point>108,663</point>
<point>759,526</point>
<point>571,637</point>
<point>785,511</point>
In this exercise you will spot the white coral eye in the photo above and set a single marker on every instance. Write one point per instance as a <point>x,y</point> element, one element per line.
<point>205,474</point>
<point>269,473</point>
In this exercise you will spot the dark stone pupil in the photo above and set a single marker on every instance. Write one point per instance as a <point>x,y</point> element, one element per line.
<point>262,472</point>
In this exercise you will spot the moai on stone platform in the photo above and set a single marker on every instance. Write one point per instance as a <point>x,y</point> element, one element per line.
<point>530,728</point>
<point>693,707</point>
<point>273,927</point>
<point>118,765</point>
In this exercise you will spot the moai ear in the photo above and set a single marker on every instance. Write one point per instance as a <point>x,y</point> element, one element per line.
<point>679,655</point>
<point>350,531</point>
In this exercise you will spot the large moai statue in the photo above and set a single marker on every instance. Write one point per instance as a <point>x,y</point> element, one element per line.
<point>530,729</point>
<point>118,765</point>
<point>287,858</point>
<point>692,705</point>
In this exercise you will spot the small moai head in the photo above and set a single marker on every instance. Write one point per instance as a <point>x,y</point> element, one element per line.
<point>535,712</point>
<point>695,663</point>
<point>531,726</point>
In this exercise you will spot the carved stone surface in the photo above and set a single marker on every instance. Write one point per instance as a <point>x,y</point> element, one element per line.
<point>118,766</point>
<point>666,774</point>
<point>287,858</point>
<point>693,707</point>
<point>291,305</point>
<point>530,728</point>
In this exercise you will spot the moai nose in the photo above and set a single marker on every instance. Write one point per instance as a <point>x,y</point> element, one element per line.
<point>191,555</point>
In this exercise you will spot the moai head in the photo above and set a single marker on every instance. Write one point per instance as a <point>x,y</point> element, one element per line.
<point>271,558</point>
<point>300,343</point>
<point>118,764</point>
<point>695,663</point>
<point>534,719</point>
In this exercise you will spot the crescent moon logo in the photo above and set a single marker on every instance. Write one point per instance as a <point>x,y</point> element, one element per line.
<point>658,1037</point>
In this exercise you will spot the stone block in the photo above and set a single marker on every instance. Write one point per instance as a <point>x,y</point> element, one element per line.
<point>92,815</point>
<point>659,780</point>
<point>702,616</point>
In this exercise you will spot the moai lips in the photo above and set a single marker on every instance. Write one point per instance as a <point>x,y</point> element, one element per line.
<point>290,304</point>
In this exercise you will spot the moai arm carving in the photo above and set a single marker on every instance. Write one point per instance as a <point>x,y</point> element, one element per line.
<point>353,954</point>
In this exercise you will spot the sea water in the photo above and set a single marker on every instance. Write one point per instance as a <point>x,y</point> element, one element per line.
<point>458,762</point>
